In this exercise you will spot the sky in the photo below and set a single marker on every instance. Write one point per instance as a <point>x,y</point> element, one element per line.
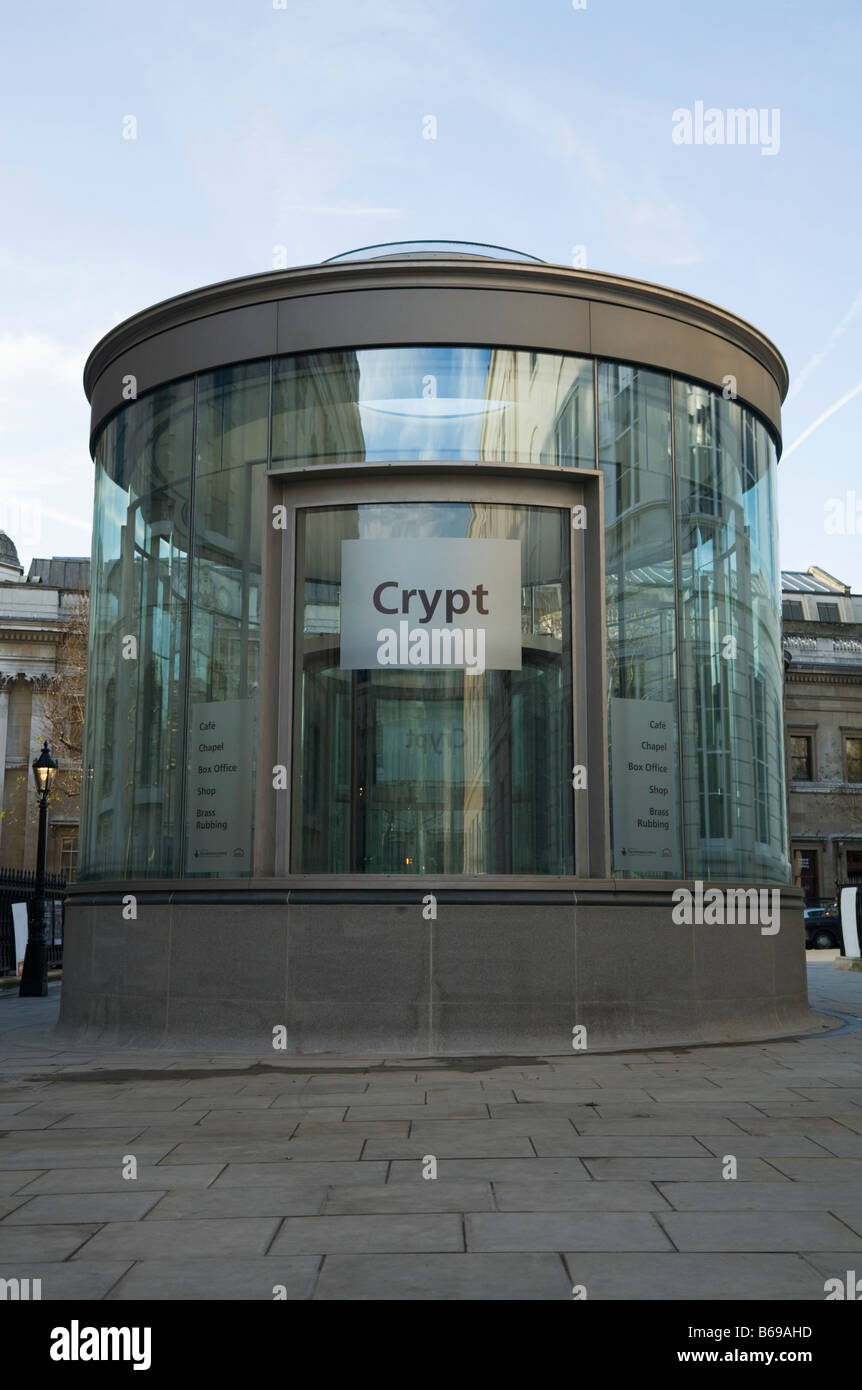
<point>302,124</point>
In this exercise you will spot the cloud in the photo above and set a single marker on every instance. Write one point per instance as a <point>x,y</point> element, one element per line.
<point>351,212</point>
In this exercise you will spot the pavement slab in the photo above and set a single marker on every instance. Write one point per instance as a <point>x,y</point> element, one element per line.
<point>323,1235</point>
<point>303,1178</point>
<point>291,1278</point>
<point>443,1278</point>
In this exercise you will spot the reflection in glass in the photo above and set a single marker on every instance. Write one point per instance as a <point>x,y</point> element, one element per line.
<point>731,669</point>
<point>435,772</point>
<point>635,459</point>
<point>232,425</point>
<point>131,816</point>
<point>484,792</point>
<point>466,404</point>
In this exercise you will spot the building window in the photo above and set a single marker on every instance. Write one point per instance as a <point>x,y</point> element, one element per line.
<point>792,610</point>
<point>800,758</point>
<point>853,757</point>
<point>807,873</point>
<point>828,612</point>
<point>69,857</point>
<point>854,866</point>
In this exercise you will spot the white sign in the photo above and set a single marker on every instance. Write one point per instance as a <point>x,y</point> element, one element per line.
<point>219,789</point>
<point>431,603</point>
<point>21,930</point>
<point>849,929</point>
<point>645,787</point>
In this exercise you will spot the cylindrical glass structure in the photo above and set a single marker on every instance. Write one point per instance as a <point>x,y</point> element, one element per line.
<point>397,774</point>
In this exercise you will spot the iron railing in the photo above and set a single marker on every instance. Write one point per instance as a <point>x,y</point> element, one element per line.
<point>19,886</point>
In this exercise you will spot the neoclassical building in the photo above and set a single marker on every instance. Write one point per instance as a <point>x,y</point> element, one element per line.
<point>823,716</point>
<point>36,611</point>
<point>435,649</point>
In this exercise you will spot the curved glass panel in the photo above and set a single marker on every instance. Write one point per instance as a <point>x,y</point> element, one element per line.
<point>136,678</point>
<point>695,671</point>
<point>492,405</point>
<point>731,669</point>
<point>635,458</point>
<point>433,771</point>
<point>433,248</point>
<point>231,435</point>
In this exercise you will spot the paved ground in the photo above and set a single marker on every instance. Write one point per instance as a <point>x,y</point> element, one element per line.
<point>306,1176</point>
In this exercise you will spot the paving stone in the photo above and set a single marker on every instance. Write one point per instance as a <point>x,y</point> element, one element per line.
<point>17,1178</point>
<point>656,1124</point>
<point>814,1126</point>
<point>565,1231</point>
<point>840,1145</point>
<point>122,1107</point>
<point>445,1110</point>
<point>234,1102</point>
<point>65,1281</point>
<point>23,1244</point>
<point>832,1264</point>
<point>766,1145</point>
<point>672,1277</point>
<point>220,1239</point>
<point>680,1169</point>
<point>35,1123</point>
<point>759,1196</point>
<point>450,1146</point>
<point>150,1178</point>
<point>293,1174</point>
<point>157,1121</point>
<point>348,1145</point>
<point>57,1208</point>
<point>428,1196</point>
<point>352,1085</point>
<point>847,1207</point>
<point>107,1154</point>
<point>550,1196</point>
<point>583,1095</point>
<point>827,1170</point>
<point>229,1280</point>
<point>371,1129</point>
<point>493,1170</point>
<point>443,1278</point>
<point>217,1150</point>
<point>372,1234</point>
<point>326,1106</point>
<point>11,1204</point>
<point>759,1231</point>
<point>300,1199</point>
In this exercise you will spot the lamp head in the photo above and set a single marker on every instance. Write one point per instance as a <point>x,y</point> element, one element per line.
<point>44,768</point>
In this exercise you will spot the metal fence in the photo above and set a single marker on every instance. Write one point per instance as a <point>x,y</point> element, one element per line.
<point>19,886</point>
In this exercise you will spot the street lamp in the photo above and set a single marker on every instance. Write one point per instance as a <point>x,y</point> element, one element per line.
<point>34,978</point>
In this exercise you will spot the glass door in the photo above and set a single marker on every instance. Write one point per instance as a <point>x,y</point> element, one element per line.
<point>409,756</point>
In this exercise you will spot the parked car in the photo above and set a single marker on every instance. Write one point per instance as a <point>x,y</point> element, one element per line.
<point>823,929</point>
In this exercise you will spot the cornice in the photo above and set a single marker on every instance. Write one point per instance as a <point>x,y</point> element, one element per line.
<point>461,273</point>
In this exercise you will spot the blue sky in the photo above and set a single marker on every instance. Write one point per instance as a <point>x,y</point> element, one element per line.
<point>302,127</point>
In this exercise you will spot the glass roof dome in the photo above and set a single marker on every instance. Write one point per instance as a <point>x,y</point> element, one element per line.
<point>423,249</point>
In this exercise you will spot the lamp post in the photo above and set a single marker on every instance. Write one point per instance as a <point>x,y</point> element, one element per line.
<point>34,978</point>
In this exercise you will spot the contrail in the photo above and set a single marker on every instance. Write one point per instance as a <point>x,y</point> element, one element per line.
<point>830,343</point>
<point>820,420</point>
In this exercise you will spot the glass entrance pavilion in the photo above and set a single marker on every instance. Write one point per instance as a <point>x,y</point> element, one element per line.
<point>435,645</point>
